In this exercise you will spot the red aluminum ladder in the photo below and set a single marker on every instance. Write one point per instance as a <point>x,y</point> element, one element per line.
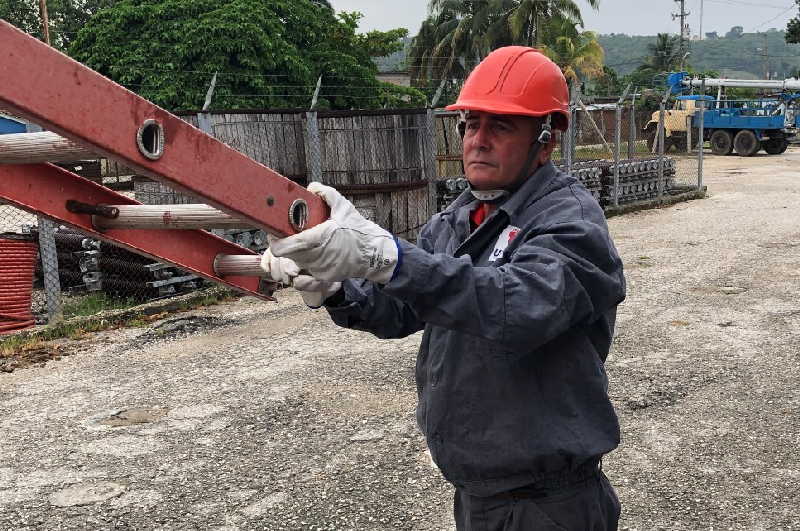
<point>65,97</point>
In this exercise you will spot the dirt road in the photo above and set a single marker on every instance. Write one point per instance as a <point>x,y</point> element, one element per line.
<point>264,416</point>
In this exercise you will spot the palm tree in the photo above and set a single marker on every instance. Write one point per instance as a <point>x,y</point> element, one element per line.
<point>450,40</point>
<point>459,33</point>
<point>665,54</point>
<point>526,20</point>
<point>578,53</point>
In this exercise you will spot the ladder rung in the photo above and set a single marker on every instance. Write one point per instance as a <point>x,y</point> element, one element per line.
<point>35,148</point>
<point>169,217</point>
<point>238,265</point>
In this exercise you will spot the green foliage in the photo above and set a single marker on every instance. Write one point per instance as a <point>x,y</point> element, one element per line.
<point>269,53</point>
<point>793,28</point>
<point>459,33</point>
<point>66,17</point>
<point>577,52</point>
<point>382,43</point>
<point>94,303</point>
<point>608,84</point>
<point>742,57</point>
<point>23,14</point>
<point>666,54</point>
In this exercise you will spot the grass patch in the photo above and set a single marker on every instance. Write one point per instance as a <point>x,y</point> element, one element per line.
<point>95,303</point>
<point>84,319</point>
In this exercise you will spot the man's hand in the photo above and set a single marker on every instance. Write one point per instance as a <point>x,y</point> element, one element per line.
<point>281,270</point>
<point>346,246</point>
<point>313,291</point>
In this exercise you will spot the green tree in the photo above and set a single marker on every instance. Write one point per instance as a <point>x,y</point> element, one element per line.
<point>528,20</point>
<point>665,54</point>
<point>269,53</point>
<point>608,84</point>
<point>23,14</point>
<point>577,52</point>
<point>66,17</point>
<point>459,33</point>
<point>793,28</point>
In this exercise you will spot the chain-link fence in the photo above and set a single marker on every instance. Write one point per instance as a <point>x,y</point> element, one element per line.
<point>612,148</point>
<point>398,168</point>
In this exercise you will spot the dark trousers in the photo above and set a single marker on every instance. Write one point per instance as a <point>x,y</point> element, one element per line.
<point>590,505</point>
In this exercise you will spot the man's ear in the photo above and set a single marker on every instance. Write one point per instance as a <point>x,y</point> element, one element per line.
<point>546,152</point>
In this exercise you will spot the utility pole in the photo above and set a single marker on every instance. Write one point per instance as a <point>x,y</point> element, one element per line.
<point>701,20</point>
<point>684,26</point>
<point>45,22</point>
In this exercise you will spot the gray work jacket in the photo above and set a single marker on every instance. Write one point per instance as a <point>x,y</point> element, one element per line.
<point>518,318</point>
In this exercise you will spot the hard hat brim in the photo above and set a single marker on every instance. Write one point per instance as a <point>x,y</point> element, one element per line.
<point>494,107</point>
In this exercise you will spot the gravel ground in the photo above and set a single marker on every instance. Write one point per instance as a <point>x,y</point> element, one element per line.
<point>250,415</point>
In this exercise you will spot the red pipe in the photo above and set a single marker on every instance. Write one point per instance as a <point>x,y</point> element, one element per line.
<point>17,263</point>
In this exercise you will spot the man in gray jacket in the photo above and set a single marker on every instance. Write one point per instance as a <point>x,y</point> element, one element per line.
<point>515,286</point>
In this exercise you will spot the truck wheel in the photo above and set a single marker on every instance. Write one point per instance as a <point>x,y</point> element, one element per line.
<point>721,142</point>
<point>746,143</point>
<point>776,146</point>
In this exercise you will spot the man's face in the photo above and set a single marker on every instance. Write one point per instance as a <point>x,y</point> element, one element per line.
<point>496,147</point>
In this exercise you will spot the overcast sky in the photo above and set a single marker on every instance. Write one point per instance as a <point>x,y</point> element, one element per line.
<point>634,17</point>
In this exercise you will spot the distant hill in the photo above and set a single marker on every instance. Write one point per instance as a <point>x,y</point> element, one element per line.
<point>748,55</point>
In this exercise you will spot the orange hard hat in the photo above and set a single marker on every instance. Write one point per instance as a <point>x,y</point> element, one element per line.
<point>516,80</point>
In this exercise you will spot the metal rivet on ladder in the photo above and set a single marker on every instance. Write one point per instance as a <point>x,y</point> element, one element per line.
<point>298,214</point>
<point>150,139</point>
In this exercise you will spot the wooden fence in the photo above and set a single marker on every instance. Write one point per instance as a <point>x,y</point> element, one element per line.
<point>384,161</point>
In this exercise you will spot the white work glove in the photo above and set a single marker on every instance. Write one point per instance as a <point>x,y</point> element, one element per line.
<point>313,291</point>
<point>281,270</point>
<point>346,246</point>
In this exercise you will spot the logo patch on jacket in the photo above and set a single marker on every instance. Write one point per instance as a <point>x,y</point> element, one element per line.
<point>506,237</point>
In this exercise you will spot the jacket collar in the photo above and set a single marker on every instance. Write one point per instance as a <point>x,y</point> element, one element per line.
<point>542,182</point>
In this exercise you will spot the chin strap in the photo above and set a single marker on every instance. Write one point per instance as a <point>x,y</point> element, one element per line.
<point>495,196</point>
<point>489,196</point>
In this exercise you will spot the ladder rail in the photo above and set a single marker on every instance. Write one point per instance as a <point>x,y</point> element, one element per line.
<point>43,188</point>
<point>62,95</point>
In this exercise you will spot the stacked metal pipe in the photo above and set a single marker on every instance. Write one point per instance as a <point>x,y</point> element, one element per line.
<point>86,264</point>
<point>639,180</point>
<point>448,189</point>
<point>590,174</point>
<point>253,239</point>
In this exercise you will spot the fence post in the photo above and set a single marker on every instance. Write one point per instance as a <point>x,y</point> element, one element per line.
<point>313,149</point>
<point>688,134</point>
<point>701,136</point>
<point>569,156</point>
<point>632,123</point>
<point>660,139</point>
<point>617,147</point>
<point>431,170</point>
<point>203,119</point>
<point>49,256</point>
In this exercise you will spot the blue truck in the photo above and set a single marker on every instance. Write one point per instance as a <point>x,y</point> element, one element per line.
<point>744,126</point>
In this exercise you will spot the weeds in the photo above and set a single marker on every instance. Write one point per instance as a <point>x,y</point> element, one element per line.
<point>95,303</point>
<point>82,323</point>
